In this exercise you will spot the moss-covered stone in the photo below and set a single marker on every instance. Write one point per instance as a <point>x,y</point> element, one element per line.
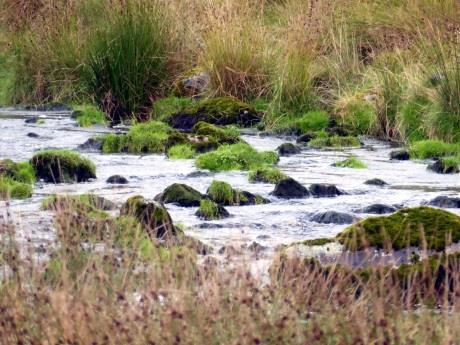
<point>222,193</point>
<point>180,194</point>
<point>16,180</point>
<point>62,166</point>
<point>318,241</point>
<point>239,156</point>
<point>351,162</point>
<point>218,111</point>
<point>407,227</point>
<point>335,142</point>
<point>445,166</point>
<point>223,135</point>
<point>266,175</point>
<point>154,217</point>
<point>89,202</point>
<point>209,210</point>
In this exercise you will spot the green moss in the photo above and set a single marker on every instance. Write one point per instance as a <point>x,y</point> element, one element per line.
<point>180,194</point>
<point>87,202</point>
<point>411,119</point>
<point>433,149</point>
<point>351,162</point>
<point>62,166</point>
<point>239,156</point>
<point>221,192</point>
<point>12,189</point>
<point>227,135</point>
<point>220,106</point>
<point>451,162</point>
<point>163,108</point>
<point>16,180</point>
<point>313,121</point>
<point>407,227</point>
<point>318,241</point>
<point>181,152</point>
<point>209,210</point>
<point>335,142</point>
<point>89,115</point>
<point>149,137</point>
<point>266,175</point>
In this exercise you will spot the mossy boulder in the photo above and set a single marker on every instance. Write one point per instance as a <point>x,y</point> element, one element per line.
<point>220,111</point>
<point>154,218</point>
<point>290,189</point>
<point>407,227</point>
<point>89,202</point>
<point>180,194</point>
<point>16,180</point>
<point>209,210</point>
<point>239,156</point>
<point>62,166</point>
<point>443,166</point>
<point>334,142</point>
<point>266,175</point>
<point>223,135</point>
<point>222,193</point>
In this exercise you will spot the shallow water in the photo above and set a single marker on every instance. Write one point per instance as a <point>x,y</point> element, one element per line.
<point>281,222</point>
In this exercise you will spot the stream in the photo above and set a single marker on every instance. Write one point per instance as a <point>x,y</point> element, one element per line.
<point>278,223</point>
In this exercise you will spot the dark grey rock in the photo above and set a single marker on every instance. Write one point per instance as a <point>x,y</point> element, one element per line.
<point>117,179</point>
<point>92,144</point>
<point>445,202</point>
<point>332,217</point>
<point>288,149</point>
<point>400,155</point>
<point>376,182</point>
<point>33,135</point>
<point>320,190</point>
<point>290,189</point>
<point>379,209</point>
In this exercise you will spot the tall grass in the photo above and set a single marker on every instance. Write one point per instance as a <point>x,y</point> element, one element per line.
<point>127,58</point>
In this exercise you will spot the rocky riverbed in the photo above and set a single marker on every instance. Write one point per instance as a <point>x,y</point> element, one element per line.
<point>281,222</point>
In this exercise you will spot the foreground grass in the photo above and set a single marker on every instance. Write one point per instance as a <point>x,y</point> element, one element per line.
<point>113,293</point>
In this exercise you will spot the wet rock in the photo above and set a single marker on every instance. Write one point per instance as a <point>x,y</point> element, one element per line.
<point>305,138</point>
<point>196,174</point>
<point>378,209</point>
<point>332,217</point>
<point>87,202</point>
<point>376,182</point>
<point>117,179</point>
<point>290,189</point>
<point>293,130</point>
<point>61,166</point>
<point>319,190</point>
<point>445,202</point>
<point>32,119</point>
<point>400,155</point>
<point>153,216</point>
<point>440,167</point>
<point>217,111</point>
<point>33,135</point>
<point>228,250</point>
<point>92,144</point>
<point>288,149</point>
<point>180,194</point>
<point>196,84</point>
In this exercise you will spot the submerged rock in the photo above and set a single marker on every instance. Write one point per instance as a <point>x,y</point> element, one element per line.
<point>440,167</point>
<point>180,194</point>
<point>290,189</point>
<point>61,166</point>
<point>400,155</point>
<point>376,182</point>
<point>378,209</point>
<point>92,144</point>
<point>153,216</point>
<point>445,202</point>
<point>32,119</point>
<point>319,190</point>
<point>33,135</point>
<point>288,149</point>
<point>117,179</point>
<point>332,217</point>
<point>218,111</point>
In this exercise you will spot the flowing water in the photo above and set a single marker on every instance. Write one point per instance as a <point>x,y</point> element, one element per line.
<point>280,222</point>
